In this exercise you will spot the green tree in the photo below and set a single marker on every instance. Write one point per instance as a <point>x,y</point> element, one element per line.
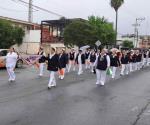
<point>88,32</point>
<point>116,4</point>
<point>9,34</point>
<point>78,33</point>
<point>128,44</point>
<point>103,30</point>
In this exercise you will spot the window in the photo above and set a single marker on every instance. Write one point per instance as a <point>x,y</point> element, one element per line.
<point>3,53</point>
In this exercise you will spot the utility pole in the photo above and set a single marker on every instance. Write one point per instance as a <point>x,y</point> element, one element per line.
<point>136,32</point>
<point>30,13</point>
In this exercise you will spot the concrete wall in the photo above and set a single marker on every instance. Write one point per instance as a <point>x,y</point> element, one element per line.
<point>28,48</point>
<point>32,36</point>
<point>31,42</point>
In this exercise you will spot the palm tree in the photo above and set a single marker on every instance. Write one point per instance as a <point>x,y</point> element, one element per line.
<point>116,4</point>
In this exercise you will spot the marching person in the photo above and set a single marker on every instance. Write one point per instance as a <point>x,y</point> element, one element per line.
<point>87,63</point>
<point>102,63</point>
<point>124,63</point>
<point>144,58</point>
<point>72,57</point>
<point>53,64</point>
<point>41,60</point>
<point>148,57</point>
<point>92,58</point>
<point>62,64</point>
<point>114,63</point>
<point>11,60</point>
<point>80,60</point>
<point>134,63</point>
<point>139,60</point>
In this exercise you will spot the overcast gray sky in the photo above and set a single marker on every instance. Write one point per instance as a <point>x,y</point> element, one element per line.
<point>131,10</point>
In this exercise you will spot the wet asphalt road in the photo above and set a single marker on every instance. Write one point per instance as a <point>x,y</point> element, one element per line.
<point>75,101</point>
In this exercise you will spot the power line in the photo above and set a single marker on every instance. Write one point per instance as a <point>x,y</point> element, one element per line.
<point>48,11</point>
<point>24,5</point>
<point>7,9</point>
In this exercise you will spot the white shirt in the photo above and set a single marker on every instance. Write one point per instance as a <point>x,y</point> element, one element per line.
<point>11,59</point>
<point>51,55</point>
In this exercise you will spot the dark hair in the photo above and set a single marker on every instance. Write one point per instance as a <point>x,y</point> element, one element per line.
<point>53,49</point>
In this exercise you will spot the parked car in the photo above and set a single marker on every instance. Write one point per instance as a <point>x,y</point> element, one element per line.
<point>3,53</point>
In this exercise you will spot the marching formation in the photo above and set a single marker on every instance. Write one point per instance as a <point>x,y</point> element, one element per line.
<point>98,62</point>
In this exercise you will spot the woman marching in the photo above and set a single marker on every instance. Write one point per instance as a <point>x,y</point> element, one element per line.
<point>102,63</point>
<point>42,60</point>
<point>53,64</point>
<point>11,60</point>
<point>92,58</point>
<point>80,60</point>
<point>63,60</point>
<point>115,62</point>
<point>71,63</point>
<point>124,63</point>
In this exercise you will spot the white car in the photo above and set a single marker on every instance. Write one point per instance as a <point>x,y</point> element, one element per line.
<point>3,53</point>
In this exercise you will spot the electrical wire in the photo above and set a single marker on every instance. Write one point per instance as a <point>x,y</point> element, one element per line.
<point>24,4</point>
<point>7,9</point>
<point>39,8</point>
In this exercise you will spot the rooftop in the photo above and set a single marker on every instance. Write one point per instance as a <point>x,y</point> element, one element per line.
<point>17,21</point>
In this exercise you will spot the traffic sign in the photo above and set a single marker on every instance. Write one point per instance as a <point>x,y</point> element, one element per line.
<point>98,43</point>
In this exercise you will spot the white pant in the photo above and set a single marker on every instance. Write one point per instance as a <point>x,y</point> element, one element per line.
<point>80,71</point>
<point>101,77</point>
<point>70,65</point>
<point>92,66</point>
<point>11,73</point>
<point>148,61</point>
<point>52,80</point>
<point>114,72</point>
<point>131,67</point>
<point>139,65</point>
<point>125,69</point>
<point>41,69</point>
<point>144,61</point>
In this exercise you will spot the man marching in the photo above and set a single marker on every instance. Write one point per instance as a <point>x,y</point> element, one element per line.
<point>102,63</point>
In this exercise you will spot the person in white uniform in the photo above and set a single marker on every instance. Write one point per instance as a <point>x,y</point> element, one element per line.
<point>102,63</point>
<point>41,60</point>
<point>11,60</point>
<point>80,60</point>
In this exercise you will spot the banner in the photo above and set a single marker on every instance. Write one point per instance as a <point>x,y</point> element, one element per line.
<point>31,59</point>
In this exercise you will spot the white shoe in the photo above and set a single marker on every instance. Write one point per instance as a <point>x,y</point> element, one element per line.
<point>97,83</point>
<point>102,83</point>
<point>40,75</point>
<point>62,77</point>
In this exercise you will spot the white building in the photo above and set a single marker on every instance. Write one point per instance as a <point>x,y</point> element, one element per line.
<point>31,40</point>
